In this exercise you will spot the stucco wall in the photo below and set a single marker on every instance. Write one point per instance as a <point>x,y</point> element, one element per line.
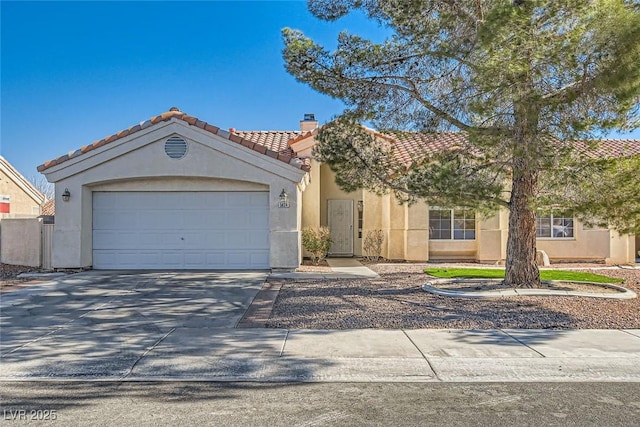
<point>21,202</point>
<point>407,234</point>
<point>141,164</point>
<point>21,241</point>
<point>372,218</point>
<point>622,249</point>
<point>586,245</point>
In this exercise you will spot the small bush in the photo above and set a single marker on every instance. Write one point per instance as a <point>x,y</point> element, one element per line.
<point>317,242</point>
<point>372,245</point>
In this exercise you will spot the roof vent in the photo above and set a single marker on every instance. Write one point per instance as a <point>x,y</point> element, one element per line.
<point>309,117</point>
<point>175,147</point>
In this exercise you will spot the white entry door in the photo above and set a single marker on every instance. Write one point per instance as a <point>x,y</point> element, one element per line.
<point>181,230</point>
<point>340,221</point>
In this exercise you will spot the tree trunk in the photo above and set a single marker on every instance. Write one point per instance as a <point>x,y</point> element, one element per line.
<point>522,268</point>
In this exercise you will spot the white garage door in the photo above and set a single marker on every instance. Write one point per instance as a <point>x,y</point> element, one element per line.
<point>181,230</point>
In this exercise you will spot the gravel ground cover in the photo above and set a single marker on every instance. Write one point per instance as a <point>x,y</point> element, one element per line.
<point>9,276</point>
<point>396,300</point>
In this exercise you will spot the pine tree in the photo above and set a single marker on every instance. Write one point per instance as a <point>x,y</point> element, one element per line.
<point>524,79</point>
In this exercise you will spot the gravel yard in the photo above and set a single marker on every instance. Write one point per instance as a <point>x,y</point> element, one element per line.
<point>9,273</point>
<point>396,300</point>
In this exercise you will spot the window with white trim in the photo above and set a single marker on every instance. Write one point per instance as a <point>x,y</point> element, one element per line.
<point>452,224</point>
<point>555,225</point>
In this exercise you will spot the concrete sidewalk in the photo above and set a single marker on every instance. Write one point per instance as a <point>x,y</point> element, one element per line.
<point>277,355</point>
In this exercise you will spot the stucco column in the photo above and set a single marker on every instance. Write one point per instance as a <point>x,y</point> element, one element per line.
<point>285,248</point>
<point>416,240</point>
<point>68,233</point>
<point>491,238</point>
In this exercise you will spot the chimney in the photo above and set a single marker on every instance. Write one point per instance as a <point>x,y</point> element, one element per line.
<point>309,122</point>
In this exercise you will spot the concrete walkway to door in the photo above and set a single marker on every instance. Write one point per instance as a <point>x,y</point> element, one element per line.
<point>350,266</point>
<point>341,268</point>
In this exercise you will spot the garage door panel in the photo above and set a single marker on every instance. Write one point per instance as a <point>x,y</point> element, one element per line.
<point>239,200</point>
<point>173,230</point>
<point>239,220</point>
<point>108,220</point>
<point>164,220</point>
<point>172,259</point>
<point>203,219</point>
<point>235,259</point>
<point>260,222</point>
<point>258,200</point>
<point>260,240</point>
<point>213,240</point>
<point>195,259</point>
<point>216,258</point>
<point>118,259</point>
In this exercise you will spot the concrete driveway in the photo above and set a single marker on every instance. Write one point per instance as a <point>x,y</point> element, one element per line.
<point>101,324</point>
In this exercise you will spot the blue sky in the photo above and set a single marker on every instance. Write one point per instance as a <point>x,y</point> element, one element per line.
<point>75,72</point>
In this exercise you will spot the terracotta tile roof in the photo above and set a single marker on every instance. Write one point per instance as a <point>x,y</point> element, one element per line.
<point>284,156</point>
<point>607,148</point>
<point>276,140</point>
<point>49,208</point>
<point>410,146</point>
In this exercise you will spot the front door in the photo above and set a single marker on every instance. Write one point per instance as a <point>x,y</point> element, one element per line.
<point>340,220</point>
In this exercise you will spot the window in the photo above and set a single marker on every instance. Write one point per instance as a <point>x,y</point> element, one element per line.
<point>452,224</point>
<point>554,225</point>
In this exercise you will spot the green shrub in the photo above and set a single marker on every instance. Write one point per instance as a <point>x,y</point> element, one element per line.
<point>317,242</point>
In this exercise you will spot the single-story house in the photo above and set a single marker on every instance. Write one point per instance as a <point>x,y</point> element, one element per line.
<point>175,192</point>
<point>18,196</point>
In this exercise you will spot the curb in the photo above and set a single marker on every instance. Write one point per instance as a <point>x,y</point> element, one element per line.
<point>623,293</point>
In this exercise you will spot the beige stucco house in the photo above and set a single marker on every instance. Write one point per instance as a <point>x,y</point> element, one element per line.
<point>18,197</point>
<point>175,192</point>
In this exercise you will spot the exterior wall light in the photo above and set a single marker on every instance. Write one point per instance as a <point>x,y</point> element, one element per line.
<point>66,195</point>
<point>283,199</point>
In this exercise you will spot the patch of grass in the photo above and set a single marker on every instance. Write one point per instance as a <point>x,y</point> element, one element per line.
<point>498,273</point>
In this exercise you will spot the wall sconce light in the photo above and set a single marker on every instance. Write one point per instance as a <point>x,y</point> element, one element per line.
<point>66,195</point>
<point>283,199</point>
<point>360,205</point>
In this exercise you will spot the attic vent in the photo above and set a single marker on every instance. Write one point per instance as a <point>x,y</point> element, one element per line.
<point>175,147</point>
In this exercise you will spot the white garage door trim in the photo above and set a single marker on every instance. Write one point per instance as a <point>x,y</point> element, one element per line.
<point>181,230</point>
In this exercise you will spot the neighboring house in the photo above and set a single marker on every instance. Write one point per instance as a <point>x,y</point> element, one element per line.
<point>175,192</point>
<point>18,197</point>
<point>48,211</point>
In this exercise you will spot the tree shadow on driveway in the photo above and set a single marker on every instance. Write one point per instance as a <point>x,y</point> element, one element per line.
<point>120,325</point>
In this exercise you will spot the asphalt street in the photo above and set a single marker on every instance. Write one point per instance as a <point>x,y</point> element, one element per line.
<point>325,404</point>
